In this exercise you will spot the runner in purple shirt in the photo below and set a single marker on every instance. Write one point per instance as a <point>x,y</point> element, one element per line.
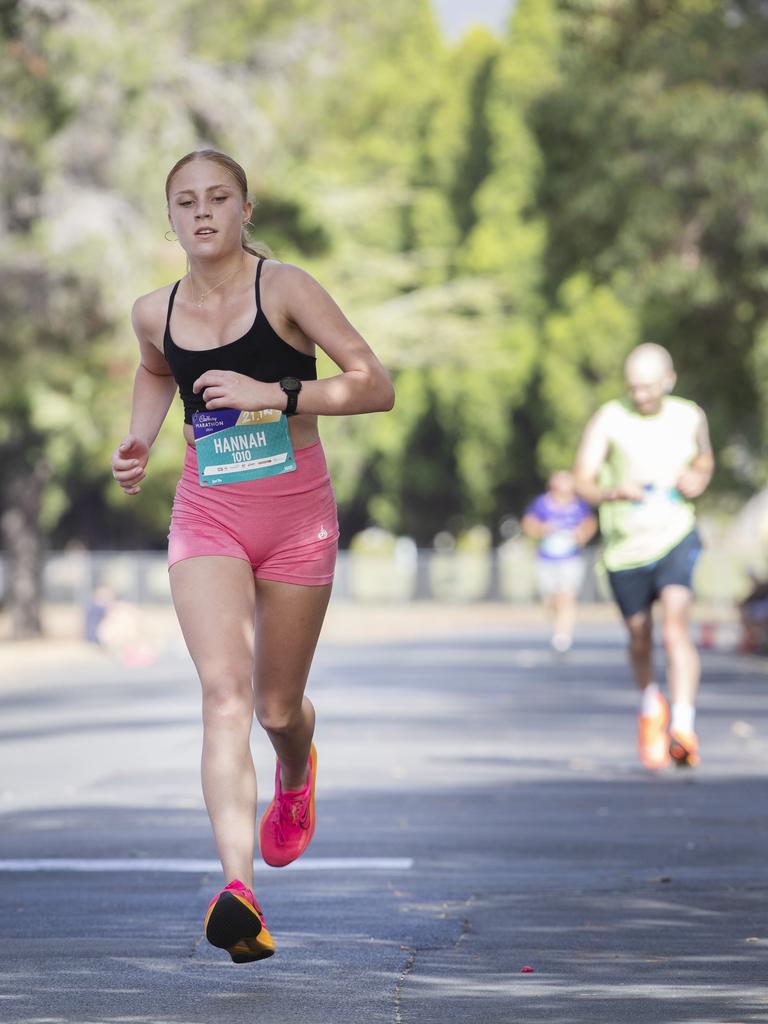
<point>563,524</point>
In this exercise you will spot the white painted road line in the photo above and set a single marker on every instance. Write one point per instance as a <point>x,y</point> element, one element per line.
<point>196,867</point>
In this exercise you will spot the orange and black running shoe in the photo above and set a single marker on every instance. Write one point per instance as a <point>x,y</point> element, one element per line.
<point>684,748</point>
<point>652,739</point>
<point>234,921</point>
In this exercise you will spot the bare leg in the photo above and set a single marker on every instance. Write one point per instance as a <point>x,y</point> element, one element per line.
<point>288,623</point>
<point>683,665</point>
<point>214,599</point>
<point>548,600</point>
<point>640,629</point>
<point>565,613</point>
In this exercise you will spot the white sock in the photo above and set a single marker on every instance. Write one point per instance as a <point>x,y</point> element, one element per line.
<point>561,642</point>
<point>649,699</point>
<point>683,717</point>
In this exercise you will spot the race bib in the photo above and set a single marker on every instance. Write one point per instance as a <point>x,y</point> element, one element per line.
<point>560,544</point>
<point>652,513</point>
<point>234,446</point>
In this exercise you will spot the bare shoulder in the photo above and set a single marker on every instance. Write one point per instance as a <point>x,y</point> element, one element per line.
<point>287,278</point>
<point>688,410</point>
<point>602,417</point>
<point>701,427</point>
<point>700,417</point>
<point>149,313</point>
<point>304,303</point>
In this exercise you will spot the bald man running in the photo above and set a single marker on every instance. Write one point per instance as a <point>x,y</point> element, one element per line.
<point>642,460</point>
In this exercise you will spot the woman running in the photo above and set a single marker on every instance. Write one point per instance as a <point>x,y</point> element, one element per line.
<point>254,533</point>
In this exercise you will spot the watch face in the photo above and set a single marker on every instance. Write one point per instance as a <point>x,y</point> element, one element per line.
<point>290,384</point>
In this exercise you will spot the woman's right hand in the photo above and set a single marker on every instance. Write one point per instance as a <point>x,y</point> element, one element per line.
<point>129,463</point>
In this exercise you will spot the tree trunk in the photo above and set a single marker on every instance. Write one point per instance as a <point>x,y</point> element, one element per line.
<point>24,546</point>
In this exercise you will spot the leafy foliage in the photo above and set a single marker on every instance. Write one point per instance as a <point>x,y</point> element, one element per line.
<point>503,219</point>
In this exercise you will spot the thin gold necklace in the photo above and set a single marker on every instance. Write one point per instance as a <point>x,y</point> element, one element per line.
<point>204,295</point>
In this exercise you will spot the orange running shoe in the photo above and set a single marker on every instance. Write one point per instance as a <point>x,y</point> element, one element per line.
<point>288,824</point>
<point>234,921</point>
<point>652,739</point>
<point>684,748</point>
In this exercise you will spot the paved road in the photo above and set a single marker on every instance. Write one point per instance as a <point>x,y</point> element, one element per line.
<point>508,778</point>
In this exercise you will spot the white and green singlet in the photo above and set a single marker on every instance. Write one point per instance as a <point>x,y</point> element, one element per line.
<point>651,451</point>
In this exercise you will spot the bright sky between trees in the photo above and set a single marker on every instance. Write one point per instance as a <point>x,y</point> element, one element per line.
<point>456,16</point>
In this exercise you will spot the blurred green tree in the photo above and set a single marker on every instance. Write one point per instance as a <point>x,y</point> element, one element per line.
<point>54,323</point>
<point>96,97</point>
<point>502,218</point>
<point>654,142</point>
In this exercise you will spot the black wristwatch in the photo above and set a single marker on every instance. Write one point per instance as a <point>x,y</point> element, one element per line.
<point>291,386</point>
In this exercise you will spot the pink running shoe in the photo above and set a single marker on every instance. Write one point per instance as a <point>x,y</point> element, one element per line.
<point>288,824</point>
<point>234,921</point>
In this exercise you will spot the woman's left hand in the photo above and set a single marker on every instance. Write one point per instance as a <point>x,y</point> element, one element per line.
<point>225,389</point>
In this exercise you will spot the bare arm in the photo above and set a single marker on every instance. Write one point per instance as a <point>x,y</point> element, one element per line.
<point>695,479</point>
<point>362,386</point>
<point>152,397</point>
<point>586,530</point>
<point>593,449</point>
<point>592,453</point>
<point>534,527</point>
<point>153,390</point>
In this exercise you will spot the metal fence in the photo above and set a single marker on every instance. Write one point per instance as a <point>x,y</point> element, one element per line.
<point>506,573</point>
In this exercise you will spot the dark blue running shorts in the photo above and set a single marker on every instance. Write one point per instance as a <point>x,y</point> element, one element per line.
<point>636,589</point>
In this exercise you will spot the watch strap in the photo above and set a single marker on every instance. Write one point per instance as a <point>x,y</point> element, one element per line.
<point>293,401</point>
<point>291,387</point>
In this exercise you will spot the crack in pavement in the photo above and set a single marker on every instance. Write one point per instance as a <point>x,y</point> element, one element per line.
<point>410,963</point>
<point>413,952</point>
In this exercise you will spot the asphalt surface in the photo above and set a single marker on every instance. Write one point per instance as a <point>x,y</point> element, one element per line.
<point>509,778</point>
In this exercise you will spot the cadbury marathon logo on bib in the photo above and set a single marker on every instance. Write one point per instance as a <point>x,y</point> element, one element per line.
<point>234,446</point>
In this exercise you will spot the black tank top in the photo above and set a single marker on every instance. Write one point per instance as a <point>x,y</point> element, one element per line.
<point>261,353</point>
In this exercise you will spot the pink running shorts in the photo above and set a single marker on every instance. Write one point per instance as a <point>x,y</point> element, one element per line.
<point>285,525</point>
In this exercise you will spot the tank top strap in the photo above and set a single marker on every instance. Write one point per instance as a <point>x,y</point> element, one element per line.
<point>171,299</point>
<point>258,284</point>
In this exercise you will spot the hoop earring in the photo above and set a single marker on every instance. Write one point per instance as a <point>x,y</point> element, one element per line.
<point>168,232</point>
